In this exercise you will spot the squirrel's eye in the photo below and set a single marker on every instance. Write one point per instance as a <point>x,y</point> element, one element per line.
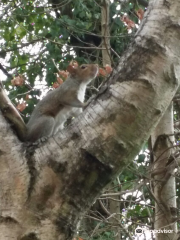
<point>83,67</point>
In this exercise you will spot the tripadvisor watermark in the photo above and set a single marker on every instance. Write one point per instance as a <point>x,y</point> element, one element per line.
<point>139,231</point>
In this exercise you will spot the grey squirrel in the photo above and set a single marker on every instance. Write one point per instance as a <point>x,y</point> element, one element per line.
<point>67,100</point>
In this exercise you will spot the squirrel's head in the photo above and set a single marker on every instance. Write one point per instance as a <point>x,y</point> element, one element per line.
<point>84,73</point>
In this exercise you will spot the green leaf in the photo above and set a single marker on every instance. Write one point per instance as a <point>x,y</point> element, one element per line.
<point>144,212</point>
<point>141,158</point>
<point>20,31</point>
<point>22,59</point>
<point>3,54</point>
<point>137,209</point>
<point>118,22</point>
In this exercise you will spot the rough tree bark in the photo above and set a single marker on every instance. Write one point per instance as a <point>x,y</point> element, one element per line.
<point>164,163</point>
<point>43,194</point>
<point>114,206</point>
<point>106,54</point>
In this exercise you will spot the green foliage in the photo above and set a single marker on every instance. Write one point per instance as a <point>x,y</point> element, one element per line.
<point>141,158</point>
<point>35,33</point>
<point>139,212</point>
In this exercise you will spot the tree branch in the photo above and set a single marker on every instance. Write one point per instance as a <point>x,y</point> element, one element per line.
<point>11,113</point>
<point>5,71</point>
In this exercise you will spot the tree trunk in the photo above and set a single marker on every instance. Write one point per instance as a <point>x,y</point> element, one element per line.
<point>163,170</point>
<point>44,193</point>
<point>114,206</point>
<point>106,54</point>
